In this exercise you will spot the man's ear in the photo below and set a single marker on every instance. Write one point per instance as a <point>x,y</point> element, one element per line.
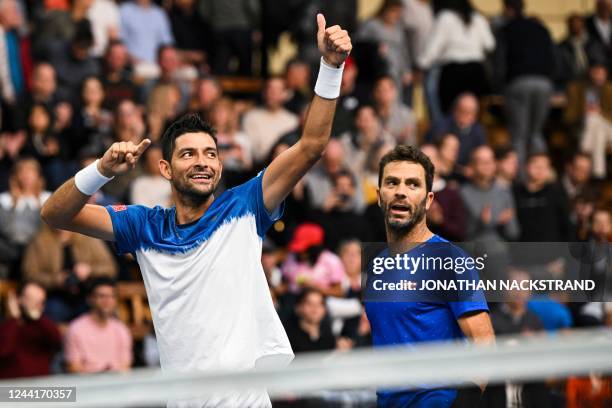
<point>378,196</point>
<point>165,170</point>
<point>430,198</point>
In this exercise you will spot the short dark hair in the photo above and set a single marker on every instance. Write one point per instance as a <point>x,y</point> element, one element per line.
<point>301,298</point>
<point>21,286</point>
<point>190,123</point>
<point>100,281</point>
<point>410,154</point>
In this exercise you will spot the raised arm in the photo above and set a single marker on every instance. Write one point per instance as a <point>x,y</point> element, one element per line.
<point>67,208</point>
<point>291,165</point>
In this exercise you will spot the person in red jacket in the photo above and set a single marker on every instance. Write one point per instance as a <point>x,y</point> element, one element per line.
<point>28,340</point>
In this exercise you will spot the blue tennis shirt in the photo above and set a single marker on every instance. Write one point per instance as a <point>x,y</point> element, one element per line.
<point>397,322</point>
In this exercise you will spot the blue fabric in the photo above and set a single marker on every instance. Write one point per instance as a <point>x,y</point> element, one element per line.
<point>14,56</point>
<point>409,322</point>
<point>553,315</point>
<point>144,29</point>
<point>138,227</point>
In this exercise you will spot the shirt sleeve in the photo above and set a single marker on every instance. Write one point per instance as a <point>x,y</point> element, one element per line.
<point>252,191</point>
<point>72,349</point>
<point>467,300</point>
<point>128,222</point>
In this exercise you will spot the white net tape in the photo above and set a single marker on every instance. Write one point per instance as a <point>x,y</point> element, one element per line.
<point>511,359</point>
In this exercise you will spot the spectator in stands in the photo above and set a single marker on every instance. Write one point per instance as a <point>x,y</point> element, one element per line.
<point>507,166</point>
<point>93,123</point>
<point>270,262</point>
<point>573,51</point>
<point>490,207</point>
<point>150,188</point>
<point>448,153</point>
<point>599,31</point>
<point>144,28</point>
<point>116,77</point>
<point>463,122</point>
<point>169,64</point>
<point>309,265</point>
<point>581,216</point>
<point>15,60</point>
<point>20,206</point>
<point>233,23</point>
<point>396,117</point>
<point>191,32</point>
<point>459,41</point>
<point>525,63</point>
<point>265,125</point>
<point>553,314</point>
<point>601,226</point>
<point>57,26</point>
<point>44,90</point>
<point>28,340</point>
<point>386,29</point>
<point>320,179</point>
<point>297,78</point>
<point>349,99</point>
<point>418,20</point>
<point>589,109</point>
<point>129,126</point>
<point>207,92</point>
<point>72,61</point>
<point>234,146</point>
<point>63,262</point>
<point>366,132</point>
<point>339,216</point>
<point>310,331</point>
<point>542,208</point>
<point>513,316</point>
<point>98,341</point>
<point>373,214</point>
<point>104,18</point>
<point>576,179</point>
<point>446,215</point>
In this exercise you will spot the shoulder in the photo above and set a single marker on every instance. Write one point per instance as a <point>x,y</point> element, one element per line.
<point>447,16</point>
<point>6,200</point>
<point>120,327</point>
<point>79,324</point>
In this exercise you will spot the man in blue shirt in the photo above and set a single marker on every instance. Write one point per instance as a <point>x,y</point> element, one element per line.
<point>404,195</point>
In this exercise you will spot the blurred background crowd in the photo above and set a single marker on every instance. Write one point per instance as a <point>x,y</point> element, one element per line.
<point>517,124</point>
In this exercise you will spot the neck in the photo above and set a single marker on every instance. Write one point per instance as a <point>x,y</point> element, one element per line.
<point>483,183</point>
<point>311,328</point>
<point>100,319</point>
<point>534,185</point>
<point>401,243</point>
<point>187,210</point>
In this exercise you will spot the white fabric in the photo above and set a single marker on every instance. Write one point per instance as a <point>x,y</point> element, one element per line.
<point>596,139</point>
<point>89,180</point>
<point>211,309</point>
<point>451,41</point>
<point>328,80</point>
<point>104,17</point>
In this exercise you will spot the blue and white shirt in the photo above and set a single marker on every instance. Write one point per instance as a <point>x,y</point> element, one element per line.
<point>206,287</point>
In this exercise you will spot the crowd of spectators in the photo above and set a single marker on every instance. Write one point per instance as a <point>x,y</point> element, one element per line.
<point>77,76</point>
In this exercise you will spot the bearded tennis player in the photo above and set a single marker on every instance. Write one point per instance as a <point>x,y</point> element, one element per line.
<point>404,195</point>
<point>201,259</point>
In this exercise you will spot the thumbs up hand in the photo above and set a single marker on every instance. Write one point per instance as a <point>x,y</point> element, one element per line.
<point>334,43</point>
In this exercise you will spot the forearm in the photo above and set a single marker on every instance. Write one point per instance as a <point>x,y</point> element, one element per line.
<point>63,205</point>
<point>317,128</point>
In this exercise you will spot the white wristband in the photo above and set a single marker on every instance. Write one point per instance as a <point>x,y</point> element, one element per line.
<point>329,80</point>
<point>89,180</point>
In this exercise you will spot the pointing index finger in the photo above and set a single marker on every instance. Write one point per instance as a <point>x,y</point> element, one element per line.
<point>142,146</point>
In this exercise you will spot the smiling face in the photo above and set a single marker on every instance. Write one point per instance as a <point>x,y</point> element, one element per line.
<point>403,196</point>
<point>194,169</point>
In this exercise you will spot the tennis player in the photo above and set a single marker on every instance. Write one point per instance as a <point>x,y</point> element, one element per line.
<point>201,259</point>
<point>404,195</point>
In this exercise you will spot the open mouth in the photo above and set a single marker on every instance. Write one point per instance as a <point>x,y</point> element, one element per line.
<point>201,177</point>
<point>400,208</point>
